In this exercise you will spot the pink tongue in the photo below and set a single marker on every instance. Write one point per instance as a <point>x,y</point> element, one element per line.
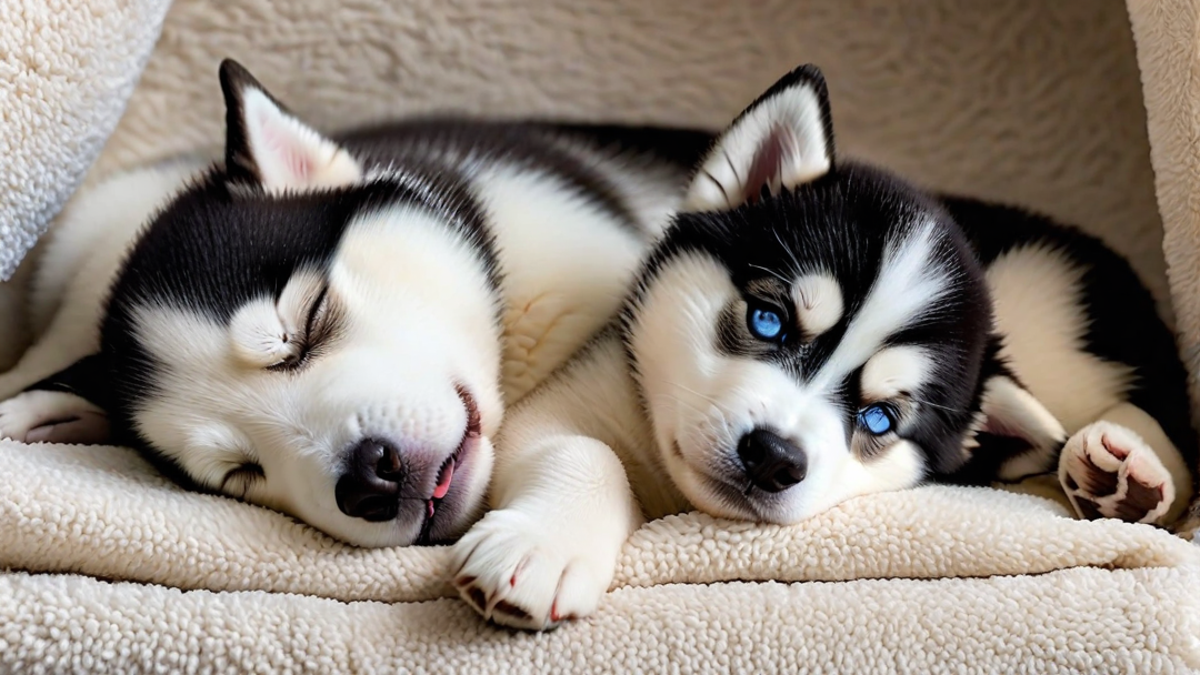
<point>443,485</point>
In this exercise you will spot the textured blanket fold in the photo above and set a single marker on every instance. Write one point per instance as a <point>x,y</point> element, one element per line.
<point>1081,620</point>
<point>105,513</point>
<point>1125,593</point>
<point>66,72</point>
<point>111,568</point>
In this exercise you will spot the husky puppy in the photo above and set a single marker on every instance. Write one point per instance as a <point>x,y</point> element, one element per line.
<point>809,330</point>
<point>331,327</point>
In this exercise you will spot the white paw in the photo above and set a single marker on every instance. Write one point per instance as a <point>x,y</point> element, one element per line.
<point>530,571</point>
<point>1108,471</point>
<point>52,417</point>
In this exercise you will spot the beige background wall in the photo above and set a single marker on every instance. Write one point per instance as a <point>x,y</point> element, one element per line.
<point>1033,102</point>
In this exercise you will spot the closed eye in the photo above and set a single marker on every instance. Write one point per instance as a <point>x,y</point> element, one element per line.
<point>239,481</point>
<point>308,338</point>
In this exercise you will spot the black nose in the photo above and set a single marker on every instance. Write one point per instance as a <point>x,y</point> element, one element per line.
<point>370,487</point>
<point>772,462</point>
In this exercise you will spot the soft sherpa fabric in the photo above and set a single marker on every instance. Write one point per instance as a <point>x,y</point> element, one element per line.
<point>66,71</point>
<point>1036,103</point>
<point>1110,597</point>
<point>1168,41</point>
<point>1081,620</point>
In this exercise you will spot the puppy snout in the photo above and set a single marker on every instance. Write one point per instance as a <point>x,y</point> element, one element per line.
<point>370,487</point>
<point>772,463</point>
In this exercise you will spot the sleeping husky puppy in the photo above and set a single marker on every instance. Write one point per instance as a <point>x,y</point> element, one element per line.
<point>809,330</point>
<point>319,326</point>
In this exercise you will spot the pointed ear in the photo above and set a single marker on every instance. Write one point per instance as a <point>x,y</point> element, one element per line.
<point>266,145</point>
<point>784,139</point>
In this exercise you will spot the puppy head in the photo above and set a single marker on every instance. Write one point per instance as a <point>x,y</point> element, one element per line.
<point>296,333</point>
<point>808,330</point>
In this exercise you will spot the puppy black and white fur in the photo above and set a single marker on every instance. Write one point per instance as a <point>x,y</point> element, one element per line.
<point>809,330</point>
<point>332,327</point>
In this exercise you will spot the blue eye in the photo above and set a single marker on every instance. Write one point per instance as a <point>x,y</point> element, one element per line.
<point>765,324</point>
<point>876,419</point>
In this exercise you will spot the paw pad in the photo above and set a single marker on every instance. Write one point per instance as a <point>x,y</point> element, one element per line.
<point>1108,471</point>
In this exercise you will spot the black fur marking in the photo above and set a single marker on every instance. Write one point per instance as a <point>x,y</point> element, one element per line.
<point>219,244</point>
<point>212,250</point>
<point>87,378</point>
<point>1123,323</point>
<point>450,143</point>
<point>840,224</point>
<point>681,147</point>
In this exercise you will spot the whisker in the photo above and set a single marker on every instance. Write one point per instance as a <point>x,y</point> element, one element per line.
<point>791,254</point>
<point>704,396</point>
<point>689,404</point>
<point>773,273</point>
<point>733,169</point>
<point>935,405</point>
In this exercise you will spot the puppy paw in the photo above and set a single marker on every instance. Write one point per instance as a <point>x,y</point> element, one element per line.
<point>52,417</point>
<point>1108,471</point>
<point>524,571</point>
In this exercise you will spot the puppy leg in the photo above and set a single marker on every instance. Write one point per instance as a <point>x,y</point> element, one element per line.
<point>548,552</point>
<point>14,314</point>
<point>1124,466</point>
<point>41,416</point>
<point>55,410</point>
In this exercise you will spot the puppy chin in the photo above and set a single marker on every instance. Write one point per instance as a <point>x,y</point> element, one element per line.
<point>702,493</point>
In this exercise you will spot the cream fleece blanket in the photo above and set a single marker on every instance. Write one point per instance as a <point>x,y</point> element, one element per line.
<point>1111,597</point>
<point>113,569</point>
<point>66,71</point>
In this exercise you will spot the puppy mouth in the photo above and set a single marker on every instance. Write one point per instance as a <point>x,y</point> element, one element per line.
<point>735,495</point>
<point>445,477</point>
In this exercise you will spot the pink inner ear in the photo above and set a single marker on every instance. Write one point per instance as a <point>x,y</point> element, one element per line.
<point>282,145</point>
<point>766,170</point>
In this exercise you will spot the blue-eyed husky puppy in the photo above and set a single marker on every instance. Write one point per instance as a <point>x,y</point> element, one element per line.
<point>809,330</point>
<point>330,326</point>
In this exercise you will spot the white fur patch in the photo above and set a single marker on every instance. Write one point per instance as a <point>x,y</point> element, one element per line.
<point>1012,411</point>
<point>907,284</point>
<point>1037,297</point>
<point>575,294</point>
<point>258,337</point>
<point>818,300</point>
<point>41,416</point>
<point>895,370</point>
<point>415,319</point>
<point>897,467</point>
